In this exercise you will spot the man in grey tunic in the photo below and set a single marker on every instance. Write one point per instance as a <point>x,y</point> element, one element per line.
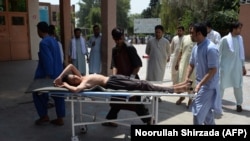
<point>95,53</point>
<point>78,50</point>
<point>158,49</point>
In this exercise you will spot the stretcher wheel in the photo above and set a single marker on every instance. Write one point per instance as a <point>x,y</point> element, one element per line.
<point>75,138</point>
<point>84,129</point>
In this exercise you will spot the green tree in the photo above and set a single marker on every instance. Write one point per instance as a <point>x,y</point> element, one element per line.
<point>170,21</point>
<point>90,13</point>
<point>153,10</point>
<point>84,15</point>
<point>94,16</point>
<point>222,13</point>
<point>122,10</point>
<point>182,12</point>
<point>146,13</point>
<point>131,17</point>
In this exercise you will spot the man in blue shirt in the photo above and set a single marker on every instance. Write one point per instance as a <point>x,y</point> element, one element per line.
<point>49,67</point>
<point>205,60</point>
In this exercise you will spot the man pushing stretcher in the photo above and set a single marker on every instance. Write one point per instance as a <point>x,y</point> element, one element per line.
<point>72,79</point>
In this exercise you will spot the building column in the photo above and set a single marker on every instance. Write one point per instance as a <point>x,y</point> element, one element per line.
<point>243,18</point>
<point>108,13</point>
<point>65,26</point>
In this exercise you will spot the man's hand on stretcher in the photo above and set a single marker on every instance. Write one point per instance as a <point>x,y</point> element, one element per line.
<point>185,86</point>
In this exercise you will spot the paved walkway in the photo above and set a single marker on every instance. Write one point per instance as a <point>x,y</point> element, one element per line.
<point>17,112</point>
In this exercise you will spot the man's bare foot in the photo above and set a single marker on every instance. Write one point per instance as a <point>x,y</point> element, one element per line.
<point>179,101</point>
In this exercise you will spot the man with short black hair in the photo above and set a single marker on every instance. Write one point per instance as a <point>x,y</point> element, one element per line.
<point>212,35</point>
<point>49,66</point>
<point>183,61</point>
<point>78,53</point>
<point>158,50</point>
<point>175,51</point>
<point>232,59</point>
<point>95,62</point>
<point>125,61</point>
<point>205,62</point>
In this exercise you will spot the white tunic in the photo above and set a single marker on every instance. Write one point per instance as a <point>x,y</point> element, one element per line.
<point>230,64</point>
<point>214,36</point>
<point>175,50</point>
<point>95,55</point>
<point>186,49</point>
<point>159,52</point>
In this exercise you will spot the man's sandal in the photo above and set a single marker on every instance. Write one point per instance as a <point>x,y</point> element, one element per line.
<point>179,101</point>
<point>110,124</point>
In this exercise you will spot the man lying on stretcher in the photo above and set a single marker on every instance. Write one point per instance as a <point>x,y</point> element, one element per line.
<point>72,79</point>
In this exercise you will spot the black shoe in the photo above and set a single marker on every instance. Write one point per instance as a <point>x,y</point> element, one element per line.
<point>42,120</point>
<point>110,124</point>
<point>58,122</point>
<point>149,123</point>
<point>238,108</point>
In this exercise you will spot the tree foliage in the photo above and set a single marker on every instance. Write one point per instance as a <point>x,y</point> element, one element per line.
<point>130,29</point>
<point>153,10</point>
<point>123,7</point>
<point>86,13</point>
<point>171,12</point>
<point>222,13</point>
<point>183,12</point>
<point>90,13</point>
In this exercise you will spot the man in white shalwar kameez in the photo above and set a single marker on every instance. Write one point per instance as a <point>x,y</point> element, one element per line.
<point>212,35</point>
<point>158,50</point>
<point>232,58</point>
<point>182,64</point>
<point>78,50</point>
<point>94,43</point>
<point>205,60</point>
<point>175,50</point>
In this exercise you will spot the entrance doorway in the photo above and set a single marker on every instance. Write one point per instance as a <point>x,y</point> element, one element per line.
<point>14,34</point>
<point>14,39</point>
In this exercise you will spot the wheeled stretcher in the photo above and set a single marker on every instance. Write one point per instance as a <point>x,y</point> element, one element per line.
<point>99,95</point>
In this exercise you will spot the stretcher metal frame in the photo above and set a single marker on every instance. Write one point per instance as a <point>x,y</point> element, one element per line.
<point>100,95</point>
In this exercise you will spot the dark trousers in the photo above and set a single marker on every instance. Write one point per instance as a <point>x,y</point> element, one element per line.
<point>41,104</point>
<point>139,109</point>
<point>121,82</point>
